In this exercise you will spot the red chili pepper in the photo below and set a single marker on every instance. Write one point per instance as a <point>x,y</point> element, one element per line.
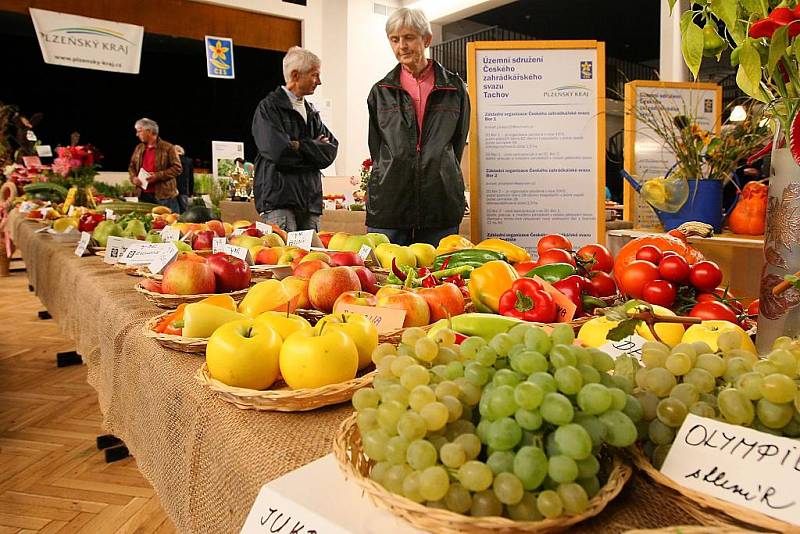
<point>456,279</point>
<point>572,289</point>
<point>430,281</point>
<point>445,263</point>
<point>398,272</point>
<point>527,300</point>
<point>460,338</point>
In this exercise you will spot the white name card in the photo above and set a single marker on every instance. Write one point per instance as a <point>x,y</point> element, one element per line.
<point>238,231</point>
<point>169,233</point>
<point>207,201</point>
<point>739,465</point>
<point>168,254</point>
<point>70,211</point>
<point>301,239</point>
<point>218,244</point>
<point>385,319</point>
<point>110,215</point>
<point>263,228</point>
<point>367,254</point>
<point>238,252</point>
<point>115,249</point>
<point>142,253</point>
<point>630,345</point>
<point>83,244</point>
<point>44,151</point>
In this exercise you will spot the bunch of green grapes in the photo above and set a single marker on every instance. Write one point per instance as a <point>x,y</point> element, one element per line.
<point>732,385</point>
<point>511,427</point>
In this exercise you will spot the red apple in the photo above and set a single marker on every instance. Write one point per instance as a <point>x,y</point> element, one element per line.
<point>254,232</point>
<point>325,237</point>
<point>152,285</point>
<point>369,282</point>
<point>360,298</point>
<point>325,286</point>
<point>417,311</point>
<point>307,268</point>
<point>203,240</point>
<point>268,256</point>
<point>231,273</point>
<point>444,300</point>
<point>159,223</point>
<point>188,277</point>
<point>299,286</point>
<point>217,227</point>
<point>346,258</point>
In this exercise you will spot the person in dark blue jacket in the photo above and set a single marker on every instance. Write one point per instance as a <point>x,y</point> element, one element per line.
<point>293,146</point>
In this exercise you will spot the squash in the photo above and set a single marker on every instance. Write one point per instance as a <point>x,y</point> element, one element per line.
<point>750,214</point>
<point>674,241</point>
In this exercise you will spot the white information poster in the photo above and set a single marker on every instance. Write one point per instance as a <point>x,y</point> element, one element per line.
<point>223,157</point>
<point>646,155</point>
<point>538,110</point>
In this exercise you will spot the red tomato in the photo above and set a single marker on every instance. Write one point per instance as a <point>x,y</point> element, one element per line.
<point>556,255</point>
<point>713,310</point>
<point>753,308</point>
<point>673,268</point>
<point>705,275</point>
<point>669,253</point>
<point>524,267</point>
<point>660,292</point>
<point>649,253</point>
<point>723,295</point>
<point>635,275</point>
<point>553,241</point>
<point>603,260</point>
<point>602,284</point>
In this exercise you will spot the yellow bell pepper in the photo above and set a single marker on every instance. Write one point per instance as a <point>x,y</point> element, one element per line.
<point>201,320</point>
<point>265,296</point>
<point>488,282</point>
<point>452,243</point>
<point>511,251</point>
<point>223,301</point>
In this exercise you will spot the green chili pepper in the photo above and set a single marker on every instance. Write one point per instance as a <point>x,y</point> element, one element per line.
<point>590,303</point>
<point>463,270</point>
<point>471,256</point>
<point>485,325</point>
<point>552,272</point>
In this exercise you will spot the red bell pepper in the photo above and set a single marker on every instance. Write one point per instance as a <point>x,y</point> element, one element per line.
<point>89,221</point>
<point>527,300</point>
<point>572,290</point>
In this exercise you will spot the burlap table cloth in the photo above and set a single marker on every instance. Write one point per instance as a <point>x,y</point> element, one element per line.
<point>205,458</point>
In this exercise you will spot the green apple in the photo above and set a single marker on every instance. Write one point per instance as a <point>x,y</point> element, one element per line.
<point>134,230</point>
<point>104,230</point>
<point>337,241</point>
<point>182,246</point>
<point>403,255</point>
<point>424,252</point>
<point>244,354</point>
<point>355,242</point>
<point>246,241</point>
<point>153,236</point>
<point>377,238</point>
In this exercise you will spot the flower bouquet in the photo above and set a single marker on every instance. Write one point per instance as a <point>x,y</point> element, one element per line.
<point>76,167</point>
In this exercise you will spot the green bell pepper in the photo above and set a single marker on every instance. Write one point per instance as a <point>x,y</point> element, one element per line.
<point>552,272</point>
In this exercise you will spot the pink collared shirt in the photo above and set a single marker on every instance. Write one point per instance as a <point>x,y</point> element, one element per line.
<point>419,89</point>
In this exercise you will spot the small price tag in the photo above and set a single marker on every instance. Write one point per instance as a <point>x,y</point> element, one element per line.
<point>386,320</point>
<point>168,233</point>
<point>70,211</point>
<point>31,136</point>
<point>115,249</point>
<point>263,228</point>
<point>110,215</point>
<point>630,345</point>
<point>142,253</point>
<point>218,244</point>
<point>329,204</point>
<point>367,254</point>
<point>131,199</point>
<point>565,308</point>
<point>83,244</point>
<point>44,211</point>
<point>168,253</point>
<point>239,252</point>
<point>207,201</point>
<point>44,151</point>
<point>238,231</point>
<point>738,465</point>
<point>301,239</point>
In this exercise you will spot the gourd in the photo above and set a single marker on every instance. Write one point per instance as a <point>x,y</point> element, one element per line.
<point>750,214</point>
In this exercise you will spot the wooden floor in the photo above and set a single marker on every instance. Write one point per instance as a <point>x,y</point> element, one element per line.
<point>52,477</point>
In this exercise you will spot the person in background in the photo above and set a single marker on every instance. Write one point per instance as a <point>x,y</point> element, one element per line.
<point>418,124</point>
<point>185,180</point>
<point>244,166</point>
<point>154,167</point>
<point>293,145</point>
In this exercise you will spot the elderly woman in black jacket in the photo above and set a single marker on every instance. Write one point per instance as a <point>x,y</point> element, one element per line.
<point>418,124</point>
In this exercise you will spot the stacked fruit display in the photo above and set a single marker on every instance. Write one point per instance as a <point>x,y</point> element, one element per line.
<point>192,274</point>
<point>514,426</point>
<point>727,381</point>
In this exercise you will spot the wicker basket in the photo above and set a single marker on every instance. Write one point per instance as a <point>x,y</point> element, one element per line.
<point>192,345</point>
<point>692,529</point>
<point>173,301</point>
<point>283,399</point>
<point>706,509</point>
<point>355,465</point>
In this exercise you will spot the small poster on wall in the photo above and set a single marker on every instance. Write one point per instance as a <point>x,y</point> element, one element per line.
<point>219,57</point>
<point>223,157</point>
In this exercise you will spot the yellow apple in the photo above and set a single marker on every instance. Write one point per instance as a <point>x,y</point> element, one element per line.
<point>309,360</point>
<point>244,354</point>
<point>285,324</point>
<point>316,256</point>
<point>593,332</point>
<point>709,331</point>
<point>360,329</point>
<point>424,252</point>
<point>241,224</point>
<point>670,333</point>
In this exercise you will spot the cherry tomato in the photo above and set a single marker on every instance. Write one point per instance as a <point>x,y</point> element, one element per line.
<point>556,255</point>
<point>723,295</point>
<point>602,284</point>
<point>669,253</point>
<point>553,241</point>
<point>713,310</point>
<point>524,267</point>
<point>673,268</point>
<point>603,260</point>
<point>660,292</point>
<point>753,308</point>
<point>649,253</point>
<point>705,275</point>
<point>635,275</point>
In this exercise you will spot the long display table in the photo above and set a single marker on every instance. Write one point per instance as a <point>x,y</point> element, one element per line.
<point>205,458</point>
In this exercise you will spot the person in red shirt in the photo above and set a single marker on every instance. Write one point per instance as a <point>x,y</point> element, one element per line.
<point>154,167</point>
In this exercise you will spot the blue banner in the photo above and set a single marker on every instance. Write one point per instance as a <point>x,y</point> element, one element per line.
<point>219,57</point>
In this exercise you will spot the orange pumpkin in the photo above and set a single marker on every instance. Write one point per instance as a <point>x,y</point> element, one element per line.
<point>750,214</point>
<point>674,241</point>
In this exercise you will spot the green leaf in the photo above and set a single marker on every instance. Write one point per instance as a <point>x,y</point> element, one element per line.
<point>777,47</point>
<point>738,32</point>
<point>726,10</point>
<point>686,18</point>
<point>671,5</point>
<point>692,47</point>
<point>753,6</point>
<point>796,49</point>
<point>792,279</point>
<point>748,76</point>
<point>623,329</point>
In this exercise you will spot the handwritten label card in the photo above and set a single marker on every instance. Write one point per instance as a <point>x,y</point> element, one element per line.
<point>238,252</point>
<point>367,254</point>
<point>71,211</point>
<point>110,215</point>
<point>44,151</point>
<point>168,253</point>
<point>263,227</point>
<point>169,233</point>
<point>301,239</point>
<point>83,244</point>
<point>630,345</point>
<point>385,319</point>
<point>218,244</point>
<point>565,308</point>
<point>239,231</point>
<point>207,201</point>
<point>142,253</point>
<point>737,464</point>
<point>115,249</point>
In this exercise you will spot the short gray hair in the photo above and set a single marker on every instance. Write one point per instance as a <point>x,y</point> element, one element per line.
<point>147,124</point>
<point>414,19</point>
<point>298,59</point>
